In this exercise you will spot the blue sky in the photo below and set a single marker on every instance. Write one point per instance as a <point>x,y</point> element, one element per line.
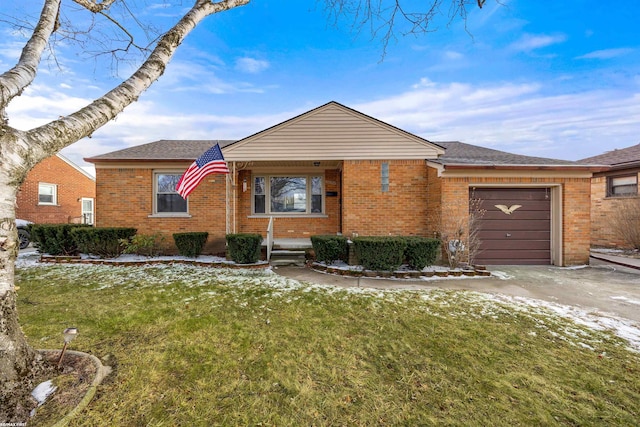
<point>550,79</point>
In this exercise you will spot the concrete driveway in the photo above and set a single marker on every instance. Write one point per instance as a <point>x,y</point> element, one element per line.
<point>601,287</point>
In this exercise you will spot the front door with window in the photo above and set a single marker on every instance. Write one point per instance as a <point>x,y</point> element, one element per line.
<point>87,210</point>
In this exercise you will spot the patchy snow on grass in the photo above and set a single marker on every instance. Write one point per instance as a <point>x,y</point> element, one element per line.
<point>171,278</point>
<point>625,299</point>
<point>42,392</point>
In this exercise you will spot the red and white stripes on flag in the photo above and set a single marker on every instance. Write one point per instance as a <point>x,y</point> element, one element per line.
<point>210,162</point>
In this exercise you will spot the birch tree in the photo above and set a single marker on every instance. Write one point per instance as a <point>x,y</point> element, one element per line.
<point>21,150</point>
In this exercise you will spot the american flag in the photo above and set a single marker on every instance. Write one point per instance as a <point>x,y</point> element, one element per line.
<point>210,162</point>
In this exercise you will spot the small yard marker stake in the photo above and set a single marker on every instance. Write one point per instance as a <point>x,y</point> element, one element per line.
<point>69,334</point>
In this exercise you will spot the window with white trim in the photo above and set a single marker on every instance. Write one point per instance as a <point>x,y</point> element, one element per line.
<point>47,194</point>
<point>166,199</point>
<point>619,186</point>
<point>288,194</point>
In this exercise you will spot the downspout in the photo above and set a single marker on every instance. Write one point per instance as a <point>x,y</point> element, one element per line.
<point>235,195</point>
<point>227,182</point>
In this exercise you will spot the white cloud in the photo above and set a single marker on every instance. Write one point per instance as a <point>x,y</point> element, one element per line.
<point>529,42</point>
<point>606,53</point>
<point>251,65</point>
<point>518,118</point>
<point>521,118</point>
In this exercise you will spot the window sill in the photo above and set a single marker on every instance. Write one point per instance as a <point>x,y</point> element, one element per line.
<point>627,196</point>
<point>48,204</point>
<point>169,215</point>
<point>315,215</point>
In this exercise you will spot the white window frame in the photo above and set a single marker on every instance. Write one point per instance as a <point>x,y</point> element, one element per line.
<point>54,193</point>
<point>309,193</point>
<point>155,196</point>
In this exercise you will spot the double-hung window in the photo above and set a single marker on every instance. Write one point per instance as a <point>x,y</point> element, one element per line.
<point>618,186</point>
<point>166,200</point>
<point>288,194</point>
<point>47,194</point>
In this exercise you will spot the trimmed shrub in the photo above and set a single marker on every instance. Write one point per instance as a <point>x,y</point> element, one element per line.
<point>149,245</point>
<point>55,239</point>
<point>421,251</point>
<point>190,244</point>
<point>330,248</point>
<point>244,248</point>
<point>380,253</point>
<point>102,241</point>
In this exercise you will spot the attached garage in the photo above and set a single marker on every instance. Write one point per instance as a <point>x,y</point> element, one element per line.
<point>515,225</point>
<point>537,210</point>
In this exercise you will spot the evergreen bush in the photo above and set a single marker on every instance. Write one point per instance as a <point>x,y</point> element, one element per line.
<point>190,244</point>
<point>55,239</point>
<point>421,251</point>
<point>244,248</point>
<point>380,253</point>
<point>330,248</point>
<point>102,241</point>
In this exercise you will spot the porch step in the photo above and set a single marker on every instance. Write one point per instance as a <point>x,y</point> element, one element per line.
<point>287,257</point>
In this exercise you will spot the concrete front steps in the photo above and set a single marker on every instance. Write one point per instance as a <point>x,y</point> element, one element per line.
<point>289,252</point>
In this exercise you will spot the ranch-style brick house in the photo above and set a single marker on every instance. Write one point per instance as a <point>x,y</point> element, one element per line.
<point>335,170</point>
<point>610,190</point>
<point>57,191</point>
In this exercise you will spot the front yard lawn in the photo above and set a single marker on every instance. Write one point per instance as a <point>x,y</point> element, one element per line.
<point>199,346</point>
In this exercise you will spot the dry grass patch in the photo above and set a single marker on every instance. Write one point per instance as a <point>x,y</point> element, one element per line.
<point>206,347</point>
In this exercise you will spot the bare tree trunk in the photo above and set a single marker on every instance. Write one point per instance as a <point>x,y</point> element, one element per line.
<point>19,363</point>
<point>20,151</point>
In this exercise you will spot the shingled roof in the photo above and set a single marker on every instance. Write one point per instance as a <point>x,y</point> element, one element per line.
<point>618,158</point>
<point>164,149</point>
<point>460,153</point>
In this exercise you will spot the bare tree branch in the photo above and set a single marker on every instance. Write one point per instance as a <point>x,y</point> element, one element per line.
<point>13,82</point>
<point>388,18</point>
<point>95,6</point>
<point>57,134</point>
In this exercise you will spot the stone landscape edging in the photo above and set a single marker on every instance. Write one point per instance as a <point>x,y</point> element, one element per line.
<point>408,275</point>
<point>78,260</point>
<point>101,372</point>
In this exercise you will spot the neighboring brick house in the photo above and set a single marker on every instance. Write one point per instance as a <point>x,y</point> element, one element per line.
<point>610,190</point>
<point>57,191</point>
<point>335,170</point>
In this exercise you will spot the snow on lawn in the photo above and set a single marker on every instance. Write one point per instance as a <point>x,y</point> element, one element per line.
<point>100,277</point>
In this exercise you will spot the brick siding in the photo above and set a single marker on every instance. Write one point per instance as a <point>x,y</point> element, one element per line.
<point>72,185</point>
<point>603,210</point>
<point>576,217</point>
<point>415,203</point>
<point>368,211</point>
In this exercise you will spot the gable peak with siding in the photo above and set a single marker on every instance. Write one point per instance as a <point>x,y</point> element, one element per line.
<point>332,132</point>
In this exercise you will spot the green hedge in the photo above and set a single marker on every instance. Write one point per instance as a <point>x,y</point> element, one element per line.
<point>55,239</point>
<point>102,241</point>
<point>190,244</point>
<point>244,248</point>
<point>380,253</point>
<point>421,251</point>
<point>330,248</point>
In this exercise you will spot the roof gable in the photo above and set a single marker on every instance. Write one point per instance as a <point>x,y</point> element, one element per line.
<point>332,132</point>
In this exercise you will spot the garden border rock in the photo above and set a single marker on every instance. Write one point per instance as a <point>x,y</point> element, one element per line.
<point>101,373</point>
<point>78,260</point>
<point>480,271</point>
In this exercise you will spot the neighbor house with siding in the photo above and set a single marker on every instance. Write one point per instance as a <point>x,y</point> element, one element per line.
<point>335,170</point>
<point>57,191</point>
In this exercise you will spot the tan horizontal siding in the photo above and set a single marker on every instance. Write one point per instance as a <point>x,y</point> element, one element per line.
<point>331,133</point>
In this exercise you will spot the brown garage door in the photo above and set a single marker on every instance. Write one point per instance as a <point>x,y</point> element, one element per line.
<point>516,227</point>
